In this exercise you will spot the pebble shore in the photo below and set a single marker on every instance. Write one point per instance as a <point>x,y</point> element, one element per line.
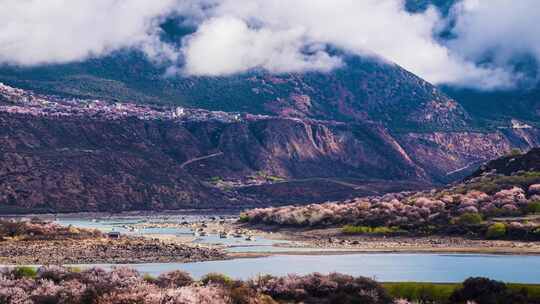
<point>103,250</point>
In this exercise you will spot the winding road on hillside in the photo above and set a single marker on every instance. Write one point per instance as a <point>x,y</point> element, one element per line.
<point>196,159</point>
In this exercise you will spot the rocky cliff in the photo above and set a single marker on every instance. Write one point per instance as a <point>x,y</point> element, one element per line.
<point>74,164</point>
<point>66,155</point>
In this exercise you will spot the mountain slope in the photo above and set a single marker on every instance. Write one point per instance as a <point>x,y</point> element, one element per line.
<point>75,155</point>
<point>364,89</point>
<point>64,155</point>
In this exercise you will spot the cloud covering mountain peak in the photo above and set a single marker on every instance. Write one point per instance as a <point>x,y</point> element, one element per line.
<point>234,36</point>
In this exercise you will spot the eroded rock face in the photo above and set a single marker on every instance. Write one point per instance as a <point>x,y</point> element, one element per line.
<point>57,157</point>
<point>449,156</point>
<point>72,164</point>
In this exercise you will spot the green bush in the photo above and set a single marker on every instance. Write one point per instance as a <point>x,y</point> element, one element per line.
<point>534,207</point>
<point>217,279</point>
<point>496,231</point>
<point>469,219</point>
<point>351,229</point>
<point>24,272</point>
<point>149,278</point>
<point>243,218</point>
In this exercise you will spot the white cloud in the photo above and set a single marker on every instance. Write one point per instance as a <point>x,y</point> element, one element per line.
<point>278,35</point>
<point>56,31</point>
<point>501,29</point>
<point>226,45</point>
<point>368,27</point>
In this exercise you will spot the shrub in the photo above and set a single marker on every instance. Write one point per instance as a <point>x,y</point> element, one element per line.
<point>174,279</point>
<point>486,291</point>
<point>149,278</point>
<point>244,218</point>
<point>318,288</point>
<point>242,294</point>
<point>12,228</point>
<point>533,207</point>
<point>54,273</point>
<point>351,229</point>
<point>124,285</point>
<point>425,212</point>
<point>24,272</point>
<point>469,219</point>
<point>496,231</point>
<point>217,279</point>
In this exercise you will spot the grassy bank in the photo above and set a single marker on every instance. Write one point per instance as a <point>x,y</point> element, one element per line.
<point>441,292</point>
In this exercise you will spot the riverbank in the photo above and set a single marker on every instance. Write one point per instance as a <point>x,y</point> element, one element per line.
<point>41,242</point>
<point>309,241</point>
<point>102,250</point>
<point>335,242</point>
<point>176,238</point>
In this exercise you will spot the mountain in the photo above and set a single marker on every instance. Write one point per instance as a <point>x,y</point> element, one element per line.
<point>256,138</point>
<point>87,155</point>
<point>65,154</point>
<point>365,89</point>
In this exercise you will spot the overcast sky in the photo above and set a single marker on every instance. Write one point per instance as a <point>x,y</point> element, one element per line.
<point>233,36</point>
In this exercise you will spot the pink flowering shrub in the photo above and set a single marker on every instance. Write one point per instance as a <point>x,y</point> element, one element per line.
<point>55,284</point>
<point>37,229</point>
<point>174,279</point>
<point>123,285</point>
<point>197,295</point>
<point>408,210</point>
<point>126,286</point>
<point>318,288</point>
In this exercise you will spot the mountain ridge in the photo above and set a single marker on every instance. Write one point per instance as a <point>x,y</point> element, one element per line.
<point>81,155</point>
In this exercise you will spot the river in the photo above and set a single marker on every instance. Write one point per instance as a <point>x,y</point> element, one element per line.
<point>428,267</point>
<point>383,267</point>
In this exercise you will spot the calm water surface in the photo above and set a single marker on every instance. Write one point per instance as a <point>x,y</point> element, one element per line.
<point>383,267</point>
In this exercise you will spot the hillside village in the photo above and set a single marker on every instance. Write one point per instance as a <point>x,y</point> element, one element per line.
<point>18,101</point>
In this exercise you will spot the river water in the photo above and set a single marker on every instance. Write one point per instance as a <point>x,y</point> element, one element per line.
<point>383,267</point>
